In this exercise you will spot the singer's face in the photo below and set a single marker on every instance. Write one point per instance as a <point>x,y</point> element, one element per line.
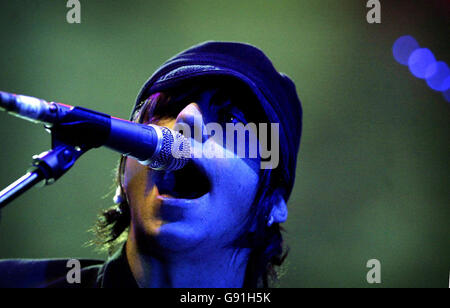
<point>206,204</point>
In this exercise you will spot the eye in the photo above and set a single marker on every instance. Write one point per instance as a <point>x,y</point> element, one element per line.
<point>232,119</point>
<point>232,115</point>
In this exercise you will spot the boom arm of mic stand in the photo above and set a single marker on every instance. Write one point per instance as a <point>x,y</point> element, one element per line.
<point>76,131</point>
<point>48,166</point>
<point>18,187</point>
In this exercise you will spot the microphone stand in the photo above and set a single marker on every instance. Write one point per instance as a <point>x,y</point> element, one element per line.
<point>75,132</point>
<point>48,166</point>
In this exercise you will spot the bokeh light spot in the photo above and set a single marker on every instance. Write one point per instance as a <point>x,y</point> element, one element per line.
<point>438,73</point>
<point>446,84</point>
<point>403,47</point>
<point>419,61</point>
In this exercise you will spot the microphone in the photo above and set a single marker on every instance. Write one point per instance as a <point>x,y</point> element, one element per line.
<point>157,147</point>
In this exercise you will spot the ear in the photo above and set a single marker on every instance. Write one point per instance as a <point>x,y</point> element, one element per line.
<point>279,211</point>
<point>118,196</point>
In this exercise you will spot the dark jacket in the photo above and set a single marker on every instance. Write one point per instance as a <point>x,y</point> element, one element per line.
<point>52,273</point>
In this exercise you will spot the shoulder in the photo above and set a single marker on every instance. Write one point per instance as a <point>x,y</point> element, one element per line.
<point>31,273</point>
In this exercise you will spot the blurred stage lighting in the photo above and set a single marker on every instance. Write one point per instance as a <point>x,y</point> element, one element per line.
<point>422,64</point>
<point>403,48</point>
<point>420,61</point>
<point>440,76</point>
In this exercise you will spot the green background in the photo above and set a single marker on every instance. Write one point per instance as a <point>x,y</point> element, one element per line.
<point>373,173</point>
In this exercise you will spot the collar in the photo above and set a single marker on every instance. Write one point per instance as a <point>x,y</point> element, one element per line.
<point>116,272</point>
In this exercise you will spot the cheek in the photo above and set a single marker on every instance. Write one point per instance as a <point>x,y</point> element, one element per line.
<point>236,186</point>
<point>141,195</point>
<point>135,179</point>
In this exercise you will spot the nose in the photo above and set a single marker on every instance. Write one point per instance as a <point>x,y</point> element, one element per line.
<point>190,123</point>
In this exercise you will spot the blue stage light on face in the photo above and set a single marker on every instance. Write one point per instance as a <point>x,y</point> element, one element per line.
<point>403,47</point>
<point>438,73</point>
<point>419,61</point>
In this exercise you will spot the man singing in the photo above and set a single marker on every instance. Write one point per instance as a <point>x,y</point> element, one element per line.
<point>215,222</point>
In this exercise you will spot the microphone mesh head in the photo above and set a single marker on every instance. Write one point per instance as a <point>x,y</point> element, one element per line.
<point>175,151</point>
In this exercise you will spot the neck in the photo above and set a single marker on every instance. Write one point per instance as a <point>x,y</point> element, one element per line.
<point>221,268</point>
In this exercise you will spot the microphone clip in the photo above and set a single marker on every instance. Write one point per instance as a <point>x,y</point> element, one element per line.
<point>47,168</point>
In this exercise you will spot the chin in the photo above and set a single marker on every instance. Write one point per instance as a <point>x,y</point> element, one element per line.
<point>182,237</point>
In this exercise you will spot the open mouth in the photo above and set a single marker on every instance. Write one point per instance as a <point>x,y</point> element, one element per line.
<point>190,182</point>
